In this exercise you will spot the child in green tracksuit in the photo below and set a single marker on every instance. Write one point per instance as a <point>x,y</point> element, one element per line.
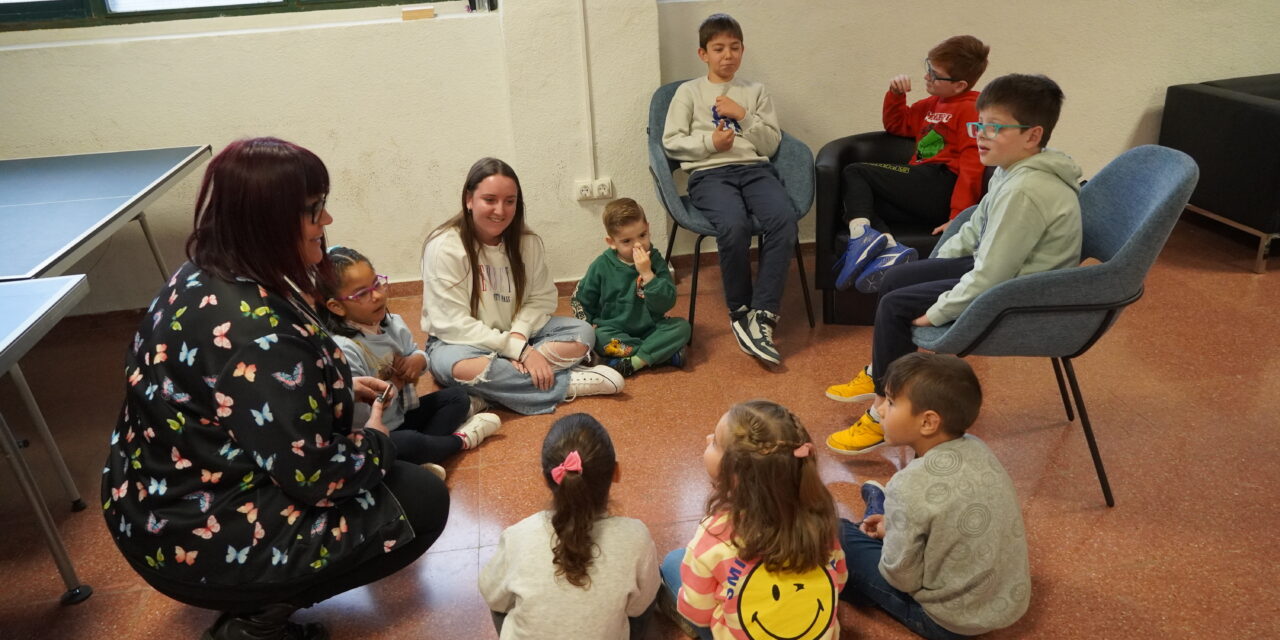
<point>625,294</point>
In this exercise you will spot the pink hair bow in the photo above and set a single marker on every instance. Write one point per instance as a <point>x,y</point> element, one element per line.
<point>803,450</point>
<point>572,462</point>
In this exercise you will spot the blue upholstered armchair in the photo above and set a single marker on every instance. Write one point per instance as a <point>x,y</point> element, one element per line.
<point>1128,210</point>
<point>793,160</point>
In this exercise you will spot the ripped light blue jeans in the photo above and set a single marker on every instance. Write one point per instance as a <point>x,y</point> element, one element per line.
<point>501,382</point>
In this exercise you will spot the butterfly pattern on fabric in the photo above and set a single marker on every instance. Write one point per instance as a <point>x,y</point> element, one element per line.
<point>234,393</point>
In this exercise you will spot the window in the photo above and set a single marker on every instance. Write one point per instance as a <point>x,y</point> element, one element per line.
<point>46,14</point>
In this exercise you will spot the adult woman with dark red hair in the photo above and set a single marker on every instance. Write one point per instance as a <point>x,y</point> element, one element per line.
<point>236,479</point>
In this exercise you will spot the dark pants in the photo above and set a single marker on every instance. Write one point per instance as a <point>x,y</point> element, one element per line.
<point>426,506</point>
<point>730,197</point>
<point>867,586</point>
<point>427,432</point>
<point>907,291</point>
<point>888,193</point>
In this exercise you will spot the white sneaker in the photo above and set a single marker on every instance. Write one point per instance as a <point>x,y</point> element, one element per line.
<point>478,404</point>
<point>436,469</point>
<point>479,427</point>
<point>593,381</point>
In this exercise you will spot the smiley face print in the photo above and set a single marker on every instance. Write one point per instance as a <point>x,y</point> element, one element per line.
<point>786,606</point>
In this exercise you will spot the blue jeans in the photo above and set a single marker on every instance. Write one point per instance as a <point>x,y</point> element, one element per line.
<point>500,382</point>
<point>670,571</point>
<point>730,197</point>
<point>862,556</point>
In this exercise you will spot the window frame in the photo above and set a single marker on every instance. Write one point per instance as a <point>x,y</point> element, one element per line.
<point>62,14</point>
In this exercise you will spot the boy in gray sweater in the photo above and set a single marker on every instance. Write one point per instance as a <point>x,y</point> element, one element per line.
<point>1028,222</point>
<point>723,129</point>
<point>948,557</point>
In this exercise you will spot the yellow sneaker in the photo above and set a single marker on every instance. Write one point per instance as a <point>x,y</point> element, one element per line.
<point>856,390</point>
<point>865,435</point>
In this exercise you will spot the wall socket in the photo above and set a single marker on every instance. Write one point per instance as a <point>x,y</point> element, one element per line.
<point>599,189</point>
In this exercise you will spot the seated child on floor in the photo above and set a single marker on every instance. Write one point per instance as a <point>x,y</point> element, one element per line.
<point>376,342</point>
<point>948,555</point>
<point>626,294</point>
<point>575,571</point>
<point>766,561</point>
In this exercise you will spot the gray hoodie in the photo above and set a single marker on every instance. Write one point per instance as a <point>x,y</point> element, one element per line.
<point>1028,222</point>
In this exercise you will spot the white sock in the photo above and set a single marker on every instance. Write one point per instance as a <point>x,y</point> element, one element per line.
<point>867,369</point>
<point>858,226</point>
<point>874,414</point>
<point>892,242</point>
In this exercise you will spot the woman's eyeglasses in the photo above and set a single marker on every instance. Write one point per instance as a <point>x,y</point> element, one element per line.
<point>316,210</point>
<point>379,283</point>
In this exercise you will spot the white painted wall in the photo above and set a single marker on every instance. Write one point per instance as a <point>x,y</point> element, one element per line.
<point>399,110</point>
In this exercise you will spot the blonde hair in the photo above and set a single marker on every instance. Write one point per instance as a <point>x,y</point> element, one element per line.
<point>778,508</point>
<point>620,213</point>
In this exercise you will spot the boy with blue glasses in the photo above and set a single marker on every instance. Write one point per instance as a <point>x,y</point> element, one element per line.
<point>1028,222</point>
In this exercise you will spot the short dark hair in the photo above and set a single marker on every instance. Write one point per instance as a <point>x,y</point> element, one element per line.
<point>943,384</point>
<point>581,497</point>
<point>248,220</point>
<point>1031,99</point>
<point>965,57</point>
<point>716,24</point>
<point>620,213</point>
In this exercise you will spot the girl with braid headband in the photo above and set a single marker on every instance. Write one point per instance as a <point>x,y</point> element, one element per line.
<point>574,571</point>
<point>766,559</point>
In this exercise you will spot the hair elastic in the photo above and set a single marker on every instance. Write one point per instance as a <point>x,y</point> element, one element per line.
<point>803,450</point>
<point>572,462</point>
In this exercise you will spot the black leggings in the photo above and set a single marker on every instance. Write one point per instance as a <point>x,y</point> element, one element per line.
<point>426,506</point>
<point>888,193</point>
<point>427,432</point>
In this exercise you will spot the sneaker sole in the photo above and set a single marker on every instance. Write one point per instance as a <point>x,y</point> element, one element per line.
<point>862,397</point>
<point>846,452</point>
<point>744,342</point>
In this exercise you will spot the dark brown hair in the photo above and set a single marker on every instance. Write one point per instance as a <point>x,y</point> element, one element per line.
<point>716,24</point>
<point>342,258</point>
<point>945,385</point>
<point>1033,100</point>
<point>248,220</point>
<point>581,498</point>
<point>511,237</point>
<point>779,509</point>
<point>620,213</point>
<point>965,58</point>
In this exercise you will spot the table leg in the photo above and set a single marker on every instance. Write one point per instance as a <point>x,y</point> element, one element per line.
<point>59,464</point>
<point>155,248</point>
<point>76,591</point>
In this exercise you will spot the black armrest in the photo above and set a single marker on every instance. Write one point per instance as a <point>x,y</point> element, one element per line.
<point>1233,137</point>
<point>876,146</point>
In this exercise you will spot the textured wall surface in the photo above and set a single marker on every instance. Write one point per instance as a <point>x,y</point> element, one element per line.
<point>399,110</point>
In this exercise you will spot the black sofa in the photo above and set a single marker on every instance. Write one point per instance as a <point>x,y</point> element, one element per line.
<point>1232,129</point>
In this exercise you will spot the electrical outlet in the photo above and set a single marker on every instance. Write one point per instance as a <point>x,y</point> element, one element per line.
<point>582,190</point>
<point>603,188</point>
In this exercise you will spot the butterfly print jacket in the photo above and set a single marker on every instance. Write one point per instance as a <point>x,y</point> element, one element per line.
<point>234,460</point>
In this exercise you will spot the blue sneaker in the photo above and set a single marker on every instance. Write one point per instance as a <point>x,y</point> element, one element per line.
<point>857,255</point>
<point>873,495</point>
<point>873,274</point>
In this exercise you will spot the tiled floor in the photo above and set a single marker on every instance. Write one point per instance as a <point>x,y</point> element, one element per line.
<point>1184,393</point>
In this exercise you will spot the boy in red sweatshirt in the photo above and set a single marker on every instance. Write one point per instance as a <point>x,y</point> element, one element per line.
<point>943,178</point>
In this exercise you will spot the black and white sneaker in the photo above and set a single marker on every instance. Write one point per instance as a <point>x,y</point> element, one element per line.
<point>754,332</point>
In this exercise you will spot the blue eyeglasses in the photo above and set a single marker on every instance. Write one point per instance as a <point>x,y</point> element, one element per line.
<point>989,131</point>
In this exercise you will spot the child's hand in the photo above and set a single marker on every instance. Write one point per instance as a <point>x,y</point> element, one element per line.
<point>942,227</point>
<point>722,137</point>
<point>873,526</point>
<point>409,368</point>
<point>644,265</point>
<point>900,84</point>
<point>922,321</point>
<point>730,109</point>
